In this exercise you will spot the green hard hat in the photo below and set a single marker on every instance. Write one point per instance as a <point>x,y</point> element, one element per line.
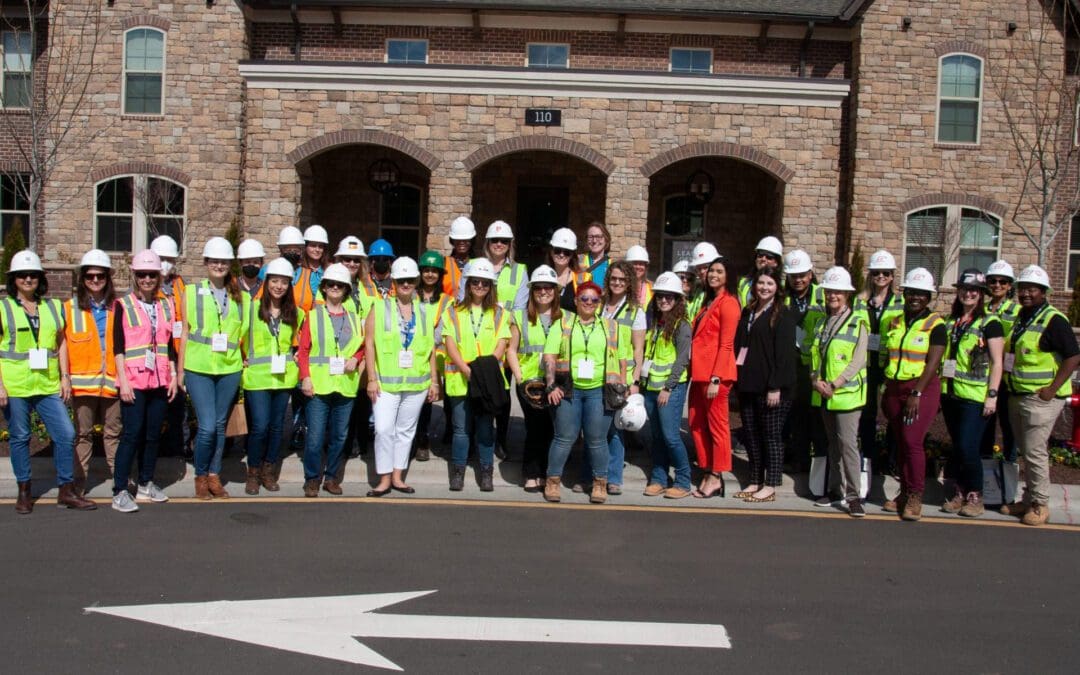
<point>432,259</point>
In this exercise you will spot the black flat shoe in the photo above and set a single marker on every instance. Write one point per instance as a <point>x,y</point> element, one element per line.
<point>403,490</point>
<point>378,493</point>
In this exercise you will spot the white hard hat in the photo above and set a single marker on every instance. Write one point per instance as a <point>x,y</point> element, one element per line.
<point>404,268</point>
<point>564,237</point>
<point>290,236</point>
<point>637,253</point>
<point>338,272</point>
<point>351,246</point>
<point>462,228</point>
<point>704,253</point>
<point>919,279</point>
<point>218,248</point>
<point>797,262</point>
<point>95,257</point>
<point>543,275</point>
<point>25,261</point>
<point>632,416</point>
<point>882,260</point>
<point>1000,268</point>
<point>165,247</point>
<point>250,248</point>
<point>316,234</point>
<point>771,245</point>
<point>681,267</point>
<point>280,267</point>
<point>499,230</point>
<point>1033,274</point>
<point>668,282</point>
<point>837,279</point>
<point>479,268</point>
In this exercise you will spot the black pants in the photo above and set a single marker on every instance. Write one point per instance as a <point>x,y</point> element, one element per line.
<point>804,429</point>
<point>539,430</point>
<point>881,455</point>
<point>764,441</point>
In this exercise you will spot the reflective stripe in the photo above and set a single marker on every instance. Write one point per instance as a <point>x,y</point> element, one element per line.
<point>76,317</point>
<point>264,360</point>
<point>9,321</point>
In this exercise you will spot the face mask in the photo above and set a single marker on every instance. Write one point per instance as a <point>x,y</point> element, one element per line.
<point>381,266</point>
<point>250,270</point>
<point>167,267</point>
<point>293,258</point>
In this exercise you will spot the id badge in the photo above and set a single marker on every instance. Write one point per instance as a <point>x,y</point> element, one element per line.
<point>204,291</point>
<point>586,369</point>
<point>39,359</point>
<point>149,360</point>
<point>873,342</point>
<point>405,359</point>
<point>948,369</point>
<point>646,366</point>
<point>220,342</point>
<point>277,364</point>
<point>741,358</point>
<point>1010,359</point>
<point>337,365</point>
<point>177,328</point>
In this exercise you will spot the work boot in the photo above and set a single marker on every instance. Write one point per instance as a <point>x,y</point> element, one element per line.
<point>423,448</point>
<point>457,478</point>
<point>251,486</point>
<point>311,488</point>
<point>332,486</point>
<point>912,506</point>
<point>269,476</point>
<point>954,498</point>
<point>69,500</point>
<point>201,490</point>
<point>1037,515</point>
<point>973,505</point>
<point>25,503</point>
<point>1019,509</point>
<point>213,484</point>
<point>895,505</point>
<point>553,489</point>
<point>599,491</point>
<point>486,479</point>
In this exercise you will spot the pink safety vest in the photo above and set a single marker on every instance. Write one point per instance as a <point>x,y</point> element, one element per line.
<point>138,340</point>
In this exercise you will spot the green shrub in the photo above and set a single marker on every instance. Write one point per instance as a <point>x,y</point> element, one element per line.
<point>858,264</point>
<point>13,243</point>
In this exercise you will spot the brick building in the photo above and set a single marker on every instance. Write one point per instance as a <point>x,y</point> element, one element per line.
<point>831,123</point>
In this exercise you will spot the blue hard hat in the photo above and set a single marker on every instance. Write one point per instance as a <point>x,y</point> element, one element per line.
<point>381,247</point>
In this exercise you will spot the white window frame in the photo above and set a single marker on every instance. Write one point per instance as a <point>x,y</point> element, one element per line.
<point>1069,278</point>
<point>140,222</point>
<point>952,240</point>
<point>671,59</point>
<point>3,68</point>
<point>421,206</point>
<point>386,50</point>
<point>977,100</point>
<point>14,212</point>
<point>530,45</point>
<point>125,71</point>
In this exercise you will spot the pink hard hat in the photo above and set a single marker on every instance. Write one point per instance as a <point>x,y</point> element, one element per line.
<point>146,261</point>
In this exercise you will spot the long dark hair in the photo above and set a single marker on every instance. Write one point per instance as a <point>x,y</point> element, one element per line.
<point>82,296</point>
<point>39,293</point>
<point>230,285</point>
<point>678,312</point>
<point>778,300</point>
<point>289,314</point>
<point>532,311</point>
<point>466,301</point>
<point>958,307</point>
<point>730,281</point>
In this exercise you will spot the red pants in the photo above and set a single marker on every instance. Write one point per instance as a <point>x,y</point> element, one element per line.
<point>910,437</point>
<point>709,427</point>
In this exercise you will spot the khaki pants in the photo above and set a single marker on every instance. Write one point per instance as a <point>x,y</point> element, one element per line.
<point>91,410</point>
<point>845,463</point>
<point>1032,421</point>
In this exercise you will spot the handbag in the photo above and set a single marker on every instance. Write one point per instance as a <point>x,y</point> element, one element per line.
<point>615,393</point>
<point>237,424</point>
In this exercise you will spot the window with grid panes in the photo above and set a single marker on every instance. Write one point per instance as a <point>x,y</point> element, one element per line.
<point>959,98</point>
<point>691,61</point>
<point>406,51</point>
<point>548,56</point>
<point>144,71</point>
<point>17,81</point>
<point>14,205</point>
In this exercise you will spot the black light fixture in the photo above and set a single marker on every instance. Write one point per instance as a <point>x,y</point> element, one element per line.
<point>384,176</point>
<point>700,186</point>
<point>905,23</point>
<point>1010,27</point>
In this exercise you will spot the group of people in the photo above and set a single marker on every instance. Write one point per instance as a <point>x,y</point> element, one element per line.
<point>590,345</point>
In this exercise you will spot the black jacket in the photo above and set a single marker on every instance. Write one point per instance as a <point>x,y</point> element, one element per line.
<point>487,388</point>
<point>771,356</point>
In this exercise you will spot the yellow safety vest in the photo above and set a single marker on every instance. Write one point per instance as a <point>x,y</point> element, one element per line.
<point>261,346</point>
<point>325,345</point>
<point>530,351</point>
<point>662,355</point>
<point>831,358</point>
<point>204,320</point>
<point>569,354</point>
<point>907,346</point>
<point>471,343</point>
<point>19,380</point>
<point>1032,368</point>
<point>394,377</point>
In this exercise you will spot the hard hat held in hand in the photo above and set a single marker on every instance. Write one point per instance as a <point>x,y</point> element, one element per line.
<point>1033,274</point>
<point>290,236</point>
<point>249,249</point>
<point>165,246</point>
<point>404,268</point>
<point>316,234</point>
<point>338,272</point>
<point>544,275</point>
<point>771,245</point>
<point>919,279</point>
<point>462,228</point>
<point>882,260</point>
<point>479,268</point>
<point>1000,268</point>
<point>704,253</point>
<point>564,237</point>
<point>499,230</point>
<point>637,253</point>
<point>218,248</point>
<point>797,262</point>
<point>146,261</point>
<point>668,282</point>
<point>632,416</point>
<point>837,279</point>
<point>280,267</point>
<point>96,258</point>
<point>351,247</point>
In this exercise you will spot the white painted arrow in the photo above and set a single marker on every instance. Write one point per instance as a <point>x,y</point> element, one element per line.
<point>327,626</point>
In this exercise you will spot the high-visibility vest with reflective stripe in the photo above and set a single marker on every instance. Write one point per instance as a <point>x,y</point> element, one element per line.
<point>744,291</point>
<point>93,369</point>
<point>624,316</point>
<point>645,293</point>
<point>597,269</point>
<point>260,346</point>
<point>203,320</point>
<point>140,338</point>
<point>304,292</point>
<point>694,306</point>
<point>441,359</point>
<point>471,346</point>
<point>1033,368</point>
<point>894,307</point>
<point>530,351</point>
<point>177,298</point>
<point>663,355</point>
<point>324,347</point>
<point>971,354</point>
<point>906,347</point>
<point>815,313</point>
<point>17,342</point>
<point>839,353</point>
<point>614,364</point>
<point>452,278</point>
<point>1007,312</point>
<point>511,276</point>
<point>387,338</point>
<point>369,293</point>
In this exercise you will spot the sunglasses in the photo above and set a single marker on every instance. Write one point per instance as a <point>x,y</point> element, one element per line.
<point>349,261</point>
<point>480,282</point>
<point>543,288</point>
<point>589,300</point>
<point>144,275</point>
<point>995,281</point>
<point>411,281</point>
<point>880,273</point>
<point>770,256</point>
<point>684,277</point>
<point>25,275</point>
<point>334,285</point>
<point>504,242</point>
<point>665,297</point>
<point>95,276</point>
<point>562,251</point>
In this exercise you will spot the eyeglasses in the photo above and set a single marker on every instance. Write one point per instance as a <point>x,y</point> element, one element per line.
<point>504,242</point>
<point>684,277</point>
<point>617,280</point>
<point>763,254</point>
<point>997,281</point>
<point>484,283</point>
<point>595,237</point>
<point>334,285</point>
<point>880,273</point>
<point>146,275</point>
<point>543,288</point>
<point>561,252</point>
<point>95,276</point>
<point>25,275</point>
<point>589,300</point>
<point>411,281</point>
<point>665,297</point>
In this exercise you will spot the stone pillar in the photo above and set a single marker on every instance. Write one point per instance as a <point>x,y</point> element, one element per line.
<point>627,212</point>
<point>449,196</point>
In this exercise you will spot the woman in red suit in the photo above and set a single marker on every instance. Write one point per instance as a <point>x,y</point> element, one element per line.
<point>712,375</point>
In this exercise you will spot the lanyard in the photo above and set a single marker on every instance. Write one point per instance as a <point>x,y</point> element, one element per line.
<point>407,328</point>
<point>1021,326</point>
<point>960,327</point>
<point>826,340</point>
<point>752,317</point>
<point>477,325</point>
<point>587,336</point>
<point>35,323</point>
<point>338,329</point>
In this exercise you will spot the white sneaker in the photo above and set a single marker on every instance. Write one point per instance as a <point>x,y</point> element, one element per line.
<point>151,493</point>
<point>123,502</point>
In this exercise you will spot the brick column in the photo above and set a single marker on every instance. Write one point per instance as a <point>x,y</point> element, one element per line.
<point>627,209</point>
<point>449,196</point>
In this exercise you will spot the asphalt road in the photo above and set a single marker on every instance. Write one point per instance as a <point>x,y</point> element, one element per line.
<point>795,594</point>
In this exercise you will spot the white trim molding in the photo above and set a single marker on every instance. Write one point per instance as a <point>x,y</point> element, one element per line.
<point>547,82</point>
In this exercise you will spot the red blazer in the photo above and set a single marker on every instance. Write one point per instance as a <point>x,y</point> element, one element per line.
<point>711,353</point>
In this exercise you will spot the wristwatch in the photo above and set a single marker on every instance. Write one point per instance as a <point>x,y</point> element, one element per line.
<point>667,388</point>
<point>714,380</point>
<point>916,393</point>
<point>991,393</point>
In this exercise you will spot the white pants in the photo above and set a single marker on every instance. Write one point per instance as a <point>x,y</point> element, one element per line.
<point>396,416</point>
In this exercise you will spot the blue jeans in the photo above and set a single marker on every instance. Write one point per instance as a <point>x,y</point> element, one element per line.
<point>966,424</point>
<point>668,449</point>
<point>327,417</point>
<point>585,412</point>
<point>616,459</point>
<point>266,414</point>
<point>212,397</point>
<point>142,432</point>
<point>54,415</point>
<point>467,423</point>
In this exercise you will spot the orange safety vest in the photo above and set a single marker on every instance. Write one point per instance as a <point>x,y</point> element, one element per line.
<point>303,293</point>
<point>178,287</point>
<point>92,373</point>
<point>452,279</point>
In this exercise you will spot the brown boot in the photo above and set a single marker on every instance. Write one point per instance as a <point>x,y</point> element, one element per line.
<point>311,488</point>
<point>213,484</point>
<point>553,489</point>
<point>912,506</point>
<point>69,500</point>
<point>25,503</point>
<point>1018,510</point>
<point>1037,515</point>
<point>954,498</point>
<point>251,485</point>
<point>332,486</point>
<point>201,489</point>
<point>895,505</point>
<point>269,477</point>
<point>599,491</point>
<point>973,505</point>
